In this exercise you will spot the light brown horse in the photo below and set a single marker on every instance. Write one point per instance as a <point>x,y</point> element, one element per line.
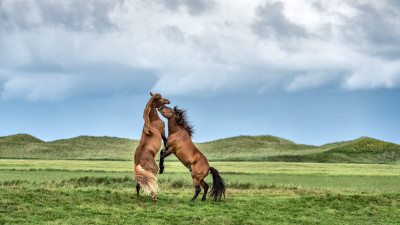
<point>180,143</point>
<point>145,168</point>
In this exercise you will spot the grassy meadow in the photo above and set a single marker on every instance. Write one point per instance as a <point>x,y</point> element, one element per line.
<point>89,180</point>
<point>103,192</point>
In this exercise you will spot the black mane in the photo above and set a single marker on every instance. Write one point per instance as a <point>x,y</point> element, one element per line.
<point>181,120</point>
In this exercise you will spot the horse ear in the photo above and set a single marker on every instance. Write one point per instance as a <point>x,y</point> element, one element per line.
<point>151,94</point>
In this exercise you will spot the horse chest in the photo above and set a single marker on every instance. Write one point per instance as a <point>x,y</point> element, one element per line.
<point>159,125</point>
<point>172,141</point>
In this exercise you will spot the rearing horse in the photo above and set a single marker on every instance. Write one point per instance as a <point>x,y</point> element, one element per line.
<point>180,143</point>
<point>146,168</point>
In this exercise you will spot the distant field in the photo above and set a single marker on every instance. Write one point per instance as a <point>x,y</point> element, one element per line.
<point>103,192</point>
<point>343,177</point>
<point>242,148</point>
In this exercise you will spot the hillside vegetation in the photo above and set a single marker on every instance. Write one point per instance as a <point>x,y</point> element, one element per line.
<point>24,146</point>
<point>362,150</point>
<point>241,148</point>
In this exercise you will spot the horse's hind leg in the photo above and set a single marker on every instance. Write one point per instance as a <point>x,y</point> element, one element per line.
<point>197,188</point>
<point>137,190</point>
<point>205,187</point>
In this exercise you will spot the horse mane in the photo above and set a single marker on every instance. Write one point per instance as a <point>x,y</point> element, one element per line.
<point>181,119</point>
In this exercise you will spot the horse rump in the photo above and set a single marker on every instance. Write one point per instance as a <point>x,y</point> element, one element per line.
<point>146,179</point>
<point>218,188</point>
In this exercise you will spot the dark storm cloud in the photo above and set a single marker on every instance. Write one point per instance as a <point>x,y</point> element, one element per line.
<point>378,26</point>
<point>74,15</point>
<point>271,22</point>
<point>193,7</point>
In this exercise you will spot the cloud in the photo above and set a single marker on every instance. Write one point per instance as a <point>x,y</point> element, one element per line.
<point>375,29</point>
<point>313,80</point>
<point>58,50</point>
<point>271,22</point>
<point>192,7</point>
<point>55,84</point>
<point>45,87</point>
<point>81,16</point>
<point>173,34</point>
<point>375,75</point>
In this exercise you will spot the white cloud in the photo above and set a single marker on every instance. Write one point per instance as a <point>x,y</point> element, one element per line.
<point>205,48</point>
<point>375,75</point>
<point>49,87</point>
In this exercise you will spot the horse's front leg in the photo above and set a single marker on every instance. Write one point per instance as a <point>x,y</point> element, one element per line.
<point>165,141</point>
<point>163,154</point>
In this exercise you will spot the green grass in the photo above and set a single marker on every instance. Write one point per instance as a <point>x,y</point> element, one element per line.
<point>241,148</point>
<point>93,205</point>
<point>103,192</point>
<point>349,177</point>
<point>89,180</point>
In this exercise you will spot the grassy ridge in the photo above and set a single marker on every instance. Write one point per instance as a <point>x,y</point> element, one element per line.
<point>24,146</point>
<point>241,148</point>
<point>363,150</point>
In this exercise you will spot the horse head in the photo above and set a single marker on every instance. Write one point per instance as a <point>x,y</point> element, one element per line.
<point>158,100</point>
<point>155,101</point>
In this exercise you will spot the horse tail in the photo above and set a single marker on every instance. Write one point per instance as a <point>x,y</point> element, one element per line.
<point>146,179</point>
<point>218,188</point>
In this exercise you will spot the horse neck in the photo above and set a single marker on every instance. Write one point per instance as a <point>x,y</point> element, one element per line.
<point>153,115</point>
<point>173,127</point>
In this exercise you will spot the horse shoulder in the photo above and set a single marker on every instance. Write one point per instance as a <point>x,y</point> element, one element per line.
<point>171,140</point>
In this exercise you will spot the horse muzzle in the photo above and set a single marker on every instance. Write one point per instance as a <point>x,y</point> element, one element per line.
<point>161,108</point>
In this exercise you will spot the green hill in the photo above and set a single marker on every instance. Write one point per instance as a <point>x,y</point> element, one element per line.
<point>252,148</point>
<point>23,146</point>
<point>19,139</point>
<point>362,150</point>
<point>241,148</point>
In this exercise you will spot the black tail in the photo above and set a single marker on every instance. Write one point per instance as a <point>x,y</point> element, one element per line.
<point>218,188</point>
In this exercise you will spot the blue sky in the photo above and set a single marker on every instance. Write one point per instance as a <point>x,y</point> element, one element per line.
<point>309,71</point>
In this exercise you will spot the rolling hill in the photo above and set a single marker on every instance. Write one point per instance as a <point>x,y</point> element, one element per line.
<point>24,146</point>
<point>240,148</point>
<point>362,150</point>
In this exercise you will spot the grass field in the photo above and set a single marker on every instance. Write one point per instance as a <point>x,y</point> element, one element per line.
<point>103,192</point>
<point>270,180</point>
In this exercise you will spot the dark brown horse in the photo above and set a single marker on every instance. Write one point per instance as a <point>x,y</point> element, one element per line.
<point>180,143</point>
<point>146,168</point>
